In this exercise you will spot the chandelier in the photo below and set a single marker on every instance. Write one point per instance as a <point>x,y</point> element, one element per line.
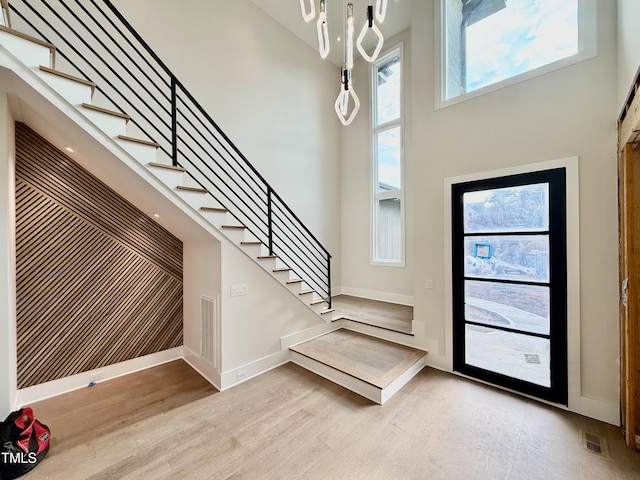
<point>347,104</point>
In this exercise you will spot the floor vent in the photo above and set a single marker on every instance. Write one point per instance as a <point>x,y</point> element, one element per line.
<point>209,331</point>
<point>594,444</point>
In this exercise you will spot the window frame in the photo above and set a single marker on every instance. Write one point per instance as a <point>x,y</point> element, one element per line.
<point>375,130</point>
<point>587,48</point>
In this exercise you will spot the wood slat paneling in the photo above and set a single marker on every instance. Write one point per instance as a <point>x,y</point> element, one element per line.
<point>97,281</point>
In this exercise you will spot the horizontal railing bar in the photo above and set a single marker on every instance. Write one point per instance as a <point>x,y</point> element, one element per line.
<point>284,237</point>
<point>230,177</point>
<point>315,244</point>
<point>260,192</point>
<point>243,165</point>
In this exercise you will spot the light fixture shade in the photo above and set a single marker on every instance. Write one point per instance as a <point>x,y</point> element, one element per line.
<point>308,15</point>
<point>347,93</point>
<point>349,41</point>
<point>323,31</point>
<point>381,10</point>
<point>378,49</point>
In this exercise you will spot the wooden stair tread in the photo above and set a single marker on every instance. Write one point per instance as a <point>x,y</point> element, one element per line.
<point>328,310</point>
<point>168,167</point>
<point>306,292</point>
<point>58,73</point>
<point>106,111</point>
<point>141,141</point>
<point>234,227</point>
<point>295,280</point>
<point>214,209</point>
<point>29,38</point>
<point>192,189</point>
<point>282,269</point>
<point>371,360</point>
<point>250,243</point>
<point>320,300</point>
<point>267,257</point>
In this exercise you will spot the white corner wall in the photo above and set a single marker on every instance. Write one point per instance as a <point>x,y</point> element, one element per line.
<point>628,46</point>
<point>8,372</point>
<point>566,113</point>
<point>269,92</point>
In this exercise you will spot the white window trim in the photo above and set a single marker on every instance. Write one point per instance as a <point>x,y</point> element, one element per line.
<point>374,130</point>
<point>587,48</point>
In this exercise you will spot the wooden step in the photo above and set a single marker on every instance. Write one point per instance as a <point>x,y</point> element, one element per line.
<point>214,209</point>
<point>328,310</point>
<point>139,140</point>
<point>295,280</point>
<point>267,257</point>
<point>233,227</point>
<point>319,300</point>
<point>29,38</point>
<point>281,269</point>
<point>306,292</point>
<point>69,77</point>
<point>251,243</point>
<point>371,367</point>
<point>106,111</point>
<point>184,188</point>
<point>168,167</point>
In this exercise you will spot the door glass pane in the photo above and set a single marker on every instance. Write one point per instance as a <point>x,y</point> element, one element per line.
<point>508,257</point>
<point>388,91</point>
<point>521,307</point>
<point>389,230</point>
<point>522,208</point>
<point>389,160</point>
<point>519,356</point>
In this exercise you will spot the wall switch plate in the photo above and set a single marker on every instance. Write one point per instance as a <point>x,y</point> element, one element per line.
<point>429,284</point>
<point>237,290</point>
<point>242,375</point>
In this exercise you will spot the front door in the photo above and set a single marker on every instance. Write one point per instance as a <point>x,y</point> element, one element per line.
<point>510,282</point>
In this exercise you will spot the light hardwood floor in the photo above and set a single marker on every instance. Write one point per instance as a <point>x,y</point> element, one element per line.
<point>166,423</point>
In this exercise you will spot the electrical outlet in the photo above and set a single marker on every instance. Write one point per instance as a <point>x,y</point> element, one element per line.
<point>429,284</point>
<point>242,375</point>
<point>95,376</point>
<point>237,290</point>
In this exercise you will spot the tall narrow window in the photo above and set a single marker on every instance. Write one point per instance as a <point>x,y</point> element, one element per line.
<point>388,184</point>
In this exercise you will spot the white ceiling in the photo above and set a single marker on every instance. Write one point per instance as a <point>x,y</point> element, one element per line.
<point>288,14</point>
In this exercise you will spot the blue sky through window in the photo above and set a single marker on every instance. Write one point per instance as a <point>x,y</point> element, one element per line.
<point>526,35</point>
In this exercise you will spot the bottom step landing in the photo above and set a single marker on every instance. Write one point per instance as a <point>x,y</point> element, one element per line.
<point>368,366</point>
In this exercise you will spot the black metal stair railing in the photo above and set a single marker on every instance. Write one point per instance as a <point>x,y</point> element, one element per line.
<point>94,41</point>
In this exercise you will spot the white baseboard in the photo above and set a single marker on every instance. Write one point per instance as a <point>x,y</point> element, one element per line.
<point>378,295</point>
<point>253,369</point>
<point>205,369</point>
<point>54,388</point>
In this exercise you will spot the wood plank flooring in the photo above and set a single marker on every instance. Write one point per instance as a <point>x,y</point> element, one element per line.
<point>369,359</point>
<point>390,316</point>
<point>291,424</point>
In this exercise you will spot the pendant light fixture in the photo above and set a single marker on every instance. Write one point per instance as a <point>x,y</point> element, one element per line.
<point>347,104</point>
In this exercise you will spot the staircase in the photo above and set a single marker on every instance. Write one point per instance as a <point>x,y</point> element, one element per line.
<point>181,147</point>
<point>193,158</point>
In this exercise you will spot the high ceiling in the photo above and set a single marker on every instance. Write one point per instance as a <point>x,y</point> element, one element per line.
<point>288,14</point>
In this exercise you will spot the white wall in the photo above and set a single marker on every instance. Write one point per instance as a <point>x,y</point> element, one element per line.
<point>8,367</point>
<point>359,277</point>
<point>628,46</point>
<point>269,92</point>
<point>568,112</point>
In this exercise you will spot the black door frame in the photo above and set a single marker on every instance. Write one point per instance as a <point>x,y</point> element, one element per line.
<point>556,178</point>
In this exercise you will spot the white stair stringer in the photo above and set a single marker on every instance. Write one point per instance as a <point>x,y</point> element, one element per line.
<point>74,102</point>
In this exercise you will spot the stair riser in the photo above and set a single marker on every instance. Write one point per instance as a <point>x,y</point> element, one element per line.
<point>109,124</point>
<point>235,235</point>
<point>170,178</point>
<point>29,53</point>
<point>142,153</point>
<point>74,92</point>
<point>217,219</point>
<point>194,199</point>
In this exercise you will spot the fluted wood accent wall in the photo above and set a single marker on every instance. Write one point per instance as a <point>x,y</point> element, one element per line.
<point>98,282</point>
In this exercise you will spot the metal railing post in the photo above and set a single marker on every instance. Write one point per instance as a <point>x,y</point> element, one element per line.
<point>174,123</point>
<point>270,219</point>
<point>329,279</point>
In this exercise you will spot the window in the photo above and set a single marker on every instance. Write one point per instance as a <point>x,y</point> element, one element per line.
<point>388,188</point>
<point>488,42</point>
<point>510,282</point>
